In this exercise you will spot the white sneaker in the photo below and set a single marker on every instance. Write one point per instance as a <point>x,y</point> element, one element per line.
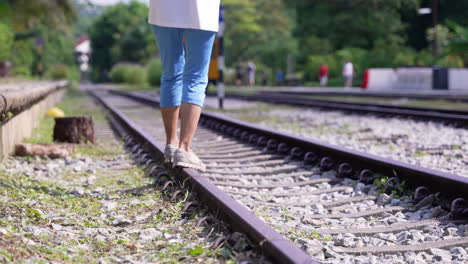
<point>188,159</point>
<point>169,153</point>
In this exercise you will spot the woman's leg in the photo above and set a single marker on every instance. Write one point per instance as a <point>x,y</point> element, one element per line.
<point>172,57</point>
<point>189,116</point>
<point>170,116</point>
<point>198,45</point>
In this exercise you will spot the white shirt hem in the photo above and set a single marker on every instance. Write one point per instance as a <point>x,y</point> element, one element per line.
<point>173,24</point>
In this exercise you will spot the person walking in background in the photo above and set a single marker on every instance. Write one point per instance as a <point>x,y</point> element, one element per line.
<point>239,72</point>
<point>184,32</point>
<point>251,72</point>
<point>264,78</point>
<point>323,75</point>
<point>348,72</point>
<point>279,77</point>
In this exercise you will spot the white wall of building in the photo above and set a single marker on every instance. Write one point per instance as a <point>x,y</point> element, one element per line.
<point>414,78</point>
<point>382,79</point>
<point>458,79</point>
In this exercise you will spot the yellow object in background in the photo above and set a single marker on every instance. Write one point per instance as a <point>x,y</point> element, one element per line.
<point>55,112</point>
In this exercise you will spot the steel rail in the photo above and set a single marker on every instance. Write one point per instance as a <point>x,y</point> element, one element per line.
<point>273,244</point>
<point>301,98</point>
<point>383,105</point>
<point>453,186</point>
<point>383,94</point>
<point>458,116</point>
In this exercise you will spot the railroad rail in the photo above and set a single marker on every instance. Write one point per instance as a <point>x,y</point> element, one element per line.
<point>284,179</point>
<point>457,116</point>
<point>275,245</point>
<point>395,94</point>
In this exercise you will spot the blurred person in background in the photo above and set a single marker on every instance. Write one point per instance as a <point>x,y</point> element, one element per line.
<point>348,72</point>
<point>264,78</point>
<point>251,72</point>
<point>184,32</point>
<point>279,77</point>
<point>239,72</point>
<point>323,75</point>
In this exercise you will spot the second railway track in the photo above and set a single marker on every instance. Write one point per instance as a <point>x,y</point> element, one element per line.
<point>446,115</point>
<point>324,198</point>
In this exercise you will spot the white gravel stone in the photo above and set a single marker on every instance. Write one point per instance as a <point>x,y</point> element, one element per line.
<point>459,253</point>
<point>383,199</point>
<point>441,255</point>
<point>359,187</point>
<point>396,138</point>
<point>57,227</point>
<point>121,221</point>
<point>451,231</point>
<point>149,234</point>
<point>109,206</point>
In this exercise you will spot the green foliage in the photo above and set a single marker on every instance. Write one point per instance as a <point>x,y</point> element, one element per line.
<point>58,49</point>
<point>34,213</point>
<point>335,61</point>
<point>458,44</point>
<point>59,72</point>
<point>22,57</point>
<point>120,33</point>
<point>35,22</point>
<point>315,61</point>
<point>6,255</point>
<point>128,73</point>
<point>118,72</point>
<point>22,71</point>
<point>6,38</point>
<point>154,72</point>
<point>198,250</point>
<point>333,25</point>
<point>317,45</point>
<point>86,12</point>
<point>260,30</point>
<point>380,56</point>
<point>27,15</point>
<point>259,72</point>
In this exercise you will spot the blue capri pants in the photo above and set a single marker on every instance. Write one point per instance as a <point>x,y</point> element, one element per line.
<point>185,67</point>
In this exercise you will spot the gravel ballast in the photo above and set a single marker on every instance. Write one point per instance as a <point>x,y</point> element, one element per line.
<point>424,143</point>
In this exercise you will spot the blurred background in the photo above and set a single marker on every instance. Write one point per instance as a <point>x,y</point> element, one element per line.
<point>111,41</point>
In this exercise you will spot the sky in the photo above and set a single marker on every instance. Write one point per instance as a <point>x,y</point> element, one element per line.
<point>110,2</point>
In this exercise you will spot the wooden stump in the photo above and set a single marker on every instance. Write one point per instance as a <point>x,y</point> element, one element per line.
<point>78,129</point>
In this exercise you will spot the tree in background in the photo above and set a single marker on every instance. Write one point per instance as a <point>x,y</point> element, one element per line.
<point>417,25</point>
<point>87,13</point>
<point>371,33</point>
<point>260,30</point>
<point>6,38</point>
<point>120,33</point>
<point>342,24</point>
<point>457,46</point>
<point>54,14</point>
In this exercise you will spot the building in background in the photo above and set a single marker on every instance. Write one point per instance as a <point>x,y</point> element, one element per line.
<point>82,53</point>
